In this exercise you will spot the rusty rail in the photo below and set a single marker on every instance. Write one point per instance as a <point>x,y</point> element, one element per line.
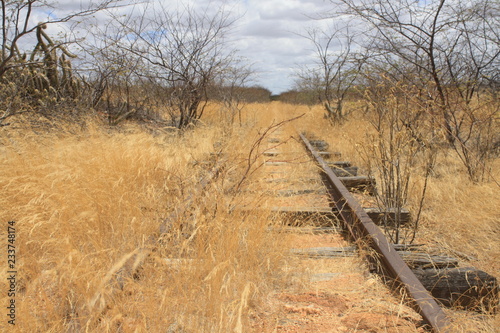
<point>361,226</point>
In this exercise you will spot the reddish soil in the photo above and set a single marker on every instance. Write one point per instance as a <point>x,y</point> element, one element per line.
<point>324,311</point>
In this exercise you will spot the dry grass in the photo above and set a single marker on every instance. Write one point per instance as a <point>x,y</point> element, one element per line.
<point>89,202</point>
<point>88,206</point>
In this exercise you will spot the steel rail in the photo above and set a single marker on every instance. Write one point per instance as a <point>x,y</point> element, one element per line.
<point>361,226</point>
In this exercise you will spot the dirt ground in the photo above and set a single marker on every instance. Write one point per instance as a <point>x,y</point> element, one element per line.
<point>325,295</point>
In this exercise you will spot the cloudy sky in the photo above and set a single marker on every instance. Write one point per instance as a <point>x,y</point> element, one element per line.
<point>268,37</point>
<point>266,33</point>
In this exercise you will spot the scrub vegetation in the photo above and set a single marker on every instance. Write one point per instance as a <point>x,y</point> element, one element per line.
<point>122,165</point>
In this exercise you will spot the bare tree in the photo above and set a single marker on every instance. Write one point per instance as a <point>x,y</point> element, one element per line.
<point>307,87</point>
<point>450,51</point>
<point>113,77</point>
<point>231,89</point>
<point>183,51</point>
<point>338,66</point>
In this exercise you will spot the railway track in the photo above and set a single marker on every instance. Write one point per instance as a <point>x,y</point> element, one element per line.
<point>361,227</point>
<point>322,193</point>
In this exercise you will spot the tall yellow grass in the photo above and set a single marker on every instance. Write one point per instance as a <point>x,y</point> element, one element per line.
<point>88,207</point>
<point>89,204</point>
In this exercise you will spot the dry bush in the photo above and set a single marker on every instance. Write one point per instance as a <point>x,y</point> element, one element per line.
<point>400,140</point>
<point>463,216</point>
<point>88,207</point>
<point>477,136</point>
